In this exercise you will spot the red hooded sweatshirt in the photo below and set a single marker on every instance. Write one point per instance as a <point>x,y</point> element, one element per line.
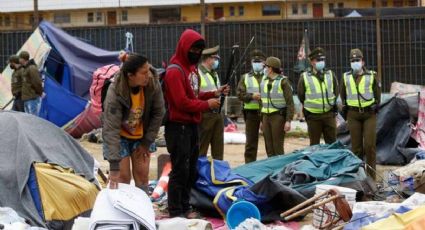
<point>183,105</point>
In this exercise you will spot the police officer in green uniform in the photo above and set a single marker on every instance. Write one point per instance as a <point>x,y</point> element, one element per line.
<point>361,96</point>
<point>212,123</point>
<point>317,91</point>
<point>249,93</point>
<point>277,106</point>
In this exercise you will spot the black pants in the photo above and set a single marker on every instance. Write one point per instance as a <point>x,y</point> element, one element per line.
<point>183,146</point>
<point>18,105</point>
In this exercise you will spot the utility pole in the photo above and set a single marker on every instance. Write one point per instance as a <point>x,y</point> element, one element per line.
<point>203,18</point>
<point>378,38</point>
<point>36,17</point>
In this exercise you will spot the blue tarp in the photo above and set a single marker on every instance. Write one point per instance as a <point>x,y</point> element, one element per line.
<point>69,65</point>
<point>60,106</point>
<point>81,58</point>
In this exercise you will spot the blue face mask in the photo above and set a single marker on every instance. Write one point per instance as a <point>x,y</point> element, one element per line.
<point>265,72</point>
<point>320,65</point>
<point>257,67</point>
<point>356,66</point>
<point>215,64</point>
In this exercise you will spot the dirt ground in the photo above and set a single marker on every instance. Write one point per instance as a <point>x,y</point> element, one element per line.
<point>234,154</point>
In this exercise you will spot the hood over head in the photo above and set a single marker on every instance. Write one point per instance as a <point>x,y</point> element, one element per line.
<point>188,38</point>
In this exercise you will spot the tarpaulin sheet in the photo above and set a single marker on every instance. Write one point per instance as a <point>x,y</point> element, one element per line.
<point>26,139</point>
<point>393,131</point>
<point>419,130</point>
<point>81,58</point>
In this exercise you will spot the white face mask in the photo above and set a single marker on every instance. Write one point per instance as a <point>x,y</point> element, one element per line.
<point>215,64</point>
<point>356,66</point>
<point>265,72</point>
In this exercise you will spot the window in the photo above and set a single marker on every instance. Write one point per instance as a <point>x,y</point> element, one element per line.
<point>90,17</point>
<point>373,4</point>
<point>1,21</point>
<point>294,8</point>
<point>304,8</point>
<point>340,5</point>
<point>384,3</point>
<point>124,15</point>
<point>31,18</point>
<point>412,3</point>
<point>160,15</point>
<point>7,20</point>
<point>397,3</point>
<point>232,11</point>
<point>62,18</point>
<point>241,11</point>
<point>99,16</point>
<point>331,7</point>
<point>271,9</point>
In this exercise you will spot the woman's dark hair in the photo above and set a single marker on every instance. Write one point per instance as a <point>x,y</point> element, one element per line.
<point>132,62</point>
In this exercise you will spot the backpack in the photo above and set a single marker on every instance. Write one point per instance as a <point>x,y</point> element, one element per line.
<point>102,79</point>
<point>161,81</point>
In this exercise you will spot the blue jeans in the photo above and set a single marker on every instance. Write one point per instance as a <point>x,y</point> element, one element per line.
<point>33,106</point>
<point>127,147</point>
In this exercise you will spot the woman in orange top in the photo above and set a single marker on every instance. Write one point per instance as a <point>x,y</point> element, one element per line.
<point>133,112</point>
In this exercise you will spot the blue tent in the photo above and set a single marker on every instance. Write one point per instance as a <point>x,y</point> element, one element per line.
<point>68,74</point>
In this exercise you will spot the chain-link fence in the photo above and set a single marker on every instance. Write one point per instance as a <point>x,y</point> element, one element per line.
<point>402,42</point>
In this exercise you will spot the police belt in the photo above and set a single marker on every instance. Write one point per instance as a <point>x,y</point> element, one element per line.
<point>362,109</point>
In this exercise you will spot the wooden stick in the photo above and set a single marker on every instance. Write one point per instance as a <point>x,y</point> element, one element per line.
<point>303,211</point>
<point>314,198</point>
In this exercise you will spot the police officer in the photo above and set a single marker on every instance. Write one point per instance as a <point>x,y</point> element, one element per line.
<point>249,94</point>
<point>212,123</point>
<point>277,106</point>
<point>317,91</point>
<point>361,96</point>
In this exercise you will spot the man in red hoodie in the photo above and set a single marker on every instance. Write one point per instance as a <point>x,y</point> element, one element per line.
<point>185,104</point>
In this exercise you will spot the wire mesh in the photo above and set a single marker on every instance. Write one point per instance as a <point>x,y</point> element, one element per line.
<point>402,43</point>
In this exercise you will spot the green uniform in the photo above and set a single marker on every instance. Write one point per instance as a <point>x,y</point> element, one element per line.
<point>318,92</point>
<point>361,94</point>
<point>212,123</point>
<point>277,108</point>
<point>32,86</point>
<point>248,85</point>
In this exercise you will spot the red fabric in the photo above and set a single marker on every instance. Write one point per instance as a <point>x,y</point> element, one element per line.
<point>183,105</point>
<point>89,119</point>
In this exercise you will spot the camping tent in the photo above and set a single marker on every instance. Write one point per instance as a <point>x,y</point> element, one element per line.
<point>39,192</point>
<point>67,65</point>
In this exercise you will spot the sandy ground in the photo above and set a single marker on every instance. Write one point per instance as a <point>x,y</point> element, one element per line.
<point>234,154</point>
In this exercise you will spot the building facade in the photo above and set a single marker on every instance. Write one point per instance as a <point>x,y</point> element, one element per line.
<point>161,11</point>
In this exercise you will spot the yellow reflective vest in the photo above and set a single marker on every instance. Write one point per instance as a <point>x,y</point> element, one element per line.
<point>272,99</point>
<point>252,86</point>
<point>319,95</point>
<point>359,95</point>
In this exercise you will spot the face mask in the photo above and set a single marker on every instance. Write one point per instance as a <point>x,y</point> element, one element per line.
<point>215,64</point>
<point>194,58</point>
<point>320,65</point>
<point>265,72</point>
<point>257,67</point>
<point>356,66</point>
